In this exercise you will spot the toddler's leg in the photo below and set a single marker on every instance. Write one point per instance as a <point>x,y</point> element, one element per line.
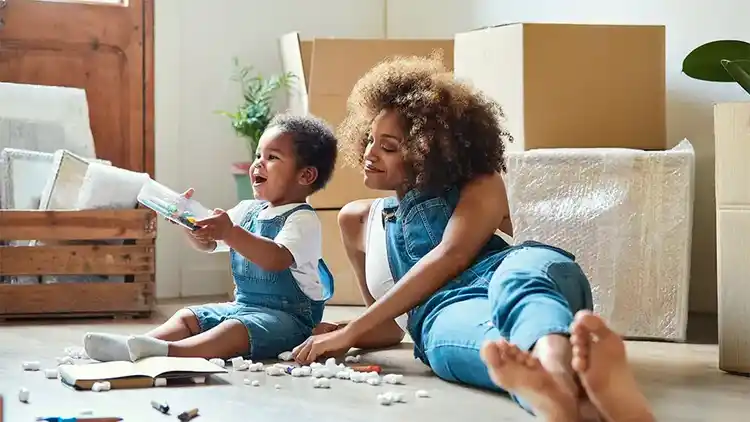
<point>181,325</point>
<point>228,339</point>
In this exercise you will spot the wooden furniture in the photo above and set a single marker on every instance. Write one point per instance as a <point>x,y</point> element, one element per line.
<point>134,258</point>
<point>106,48</point>
<point>732,130</point>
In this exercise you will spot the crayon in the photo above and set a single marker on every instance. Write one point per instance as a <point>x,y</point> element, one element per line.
<point>162,407</point>
<point>366,368</point>
<point>188,415</point>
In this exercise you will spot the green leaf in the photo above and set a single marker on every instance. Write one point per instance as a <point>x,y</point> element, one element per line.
<point>739,70</point>
<point>704,62</point>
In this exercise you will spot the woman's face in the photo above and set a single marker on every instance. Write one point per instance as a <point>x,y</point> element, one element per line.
<point>384,164</point>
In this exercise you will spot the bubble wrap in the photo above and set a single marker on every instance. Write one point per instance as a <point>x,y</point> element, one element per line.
<point>626,215</point>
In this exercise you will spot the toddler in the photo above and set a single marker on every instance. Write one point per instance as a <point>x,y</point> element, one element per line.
<point>274,241</point>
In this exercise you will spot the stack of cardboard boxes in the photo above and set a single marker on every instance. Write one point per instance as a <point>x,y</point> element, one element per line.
<point>561,86</point>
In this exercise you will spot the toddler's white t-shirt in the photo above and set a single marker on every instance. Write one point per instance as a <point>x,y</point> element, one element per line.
<point>301,235</point>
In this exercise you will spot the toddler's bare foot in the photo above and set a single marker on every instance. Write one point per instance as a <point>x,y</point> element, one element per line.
<point>521,374</point>
<point>600,360</point>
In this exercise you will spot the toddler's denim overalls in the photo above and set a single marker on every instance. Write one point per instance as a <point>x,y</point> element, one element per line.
<point>521,293</point>
<point>277,314</point>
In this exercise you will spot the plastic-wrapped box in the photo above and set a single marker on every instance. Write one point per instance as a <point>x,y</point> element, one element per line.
<point>626,215</point>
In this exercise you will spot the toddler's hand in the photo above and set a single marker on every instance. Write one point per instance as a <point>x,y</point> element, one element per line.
<point>216,227</point>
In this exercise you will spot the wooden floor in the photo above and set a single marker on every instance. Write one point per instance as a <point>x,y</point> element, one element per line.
<point>682,382</point>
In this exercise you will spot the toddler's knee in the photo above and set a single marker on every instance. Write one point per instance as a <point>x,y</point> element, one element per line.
<point>189,320</point>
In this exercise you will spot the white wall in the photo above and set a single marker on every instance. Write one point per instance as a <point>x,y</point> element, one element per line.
<point>195,43</point>
<point>689,103</point>
<point>196,40</point>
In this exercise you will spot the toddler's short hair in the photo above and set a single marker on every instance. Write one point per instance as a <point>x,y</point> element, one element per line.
<point>315,144</point>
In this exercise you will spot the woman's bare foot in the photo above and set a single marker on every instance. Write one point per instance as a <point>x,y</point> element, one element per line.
<point>520,373</point>
<point>600,360</point>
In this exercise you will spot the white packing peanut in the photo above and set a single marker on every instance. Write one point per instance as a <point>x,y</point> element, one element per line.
<point>343,375</point>
<point>23,395</point>
<point>298,372</point>
<point>286,356</point>
<point>321,383</point>
<point>281,366</point>
<point>51,373</point>
<point>373,381</point>
<point>398,398</point>
<point>218,361</point>
<point>33,365</point>
<point>247,381</point>
<point>331,363</point>
<point>239,364</point>
<point>255,383</point>
<point>385,399</point>
<point>393,379</point>
<point>372,376</point>
<point>64,360</point>
<point>256,367</point>
<point>422,394</point>
<point>357,377</point>
<point>199,380</point>
<point>160,382</point>
<point>237,361</point>
<point>351,359</point>
<point>277,386</point>
<point>306,371</point>
<point>274,371</point>
<point>316,365</point>
<point>101,386</point>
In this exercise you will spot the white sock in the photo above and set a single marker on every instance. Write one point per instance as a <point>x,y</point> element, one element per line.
<point>144,347</point>
<point>106,347</point>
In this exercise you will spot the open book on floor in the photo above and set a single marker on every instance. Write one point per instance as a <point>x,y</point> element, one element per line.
<point>140,374</point>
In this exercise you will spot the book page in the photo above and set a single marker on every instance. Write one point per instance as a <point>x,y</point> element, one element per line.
<point>159,365</point>
<point>100,371</point>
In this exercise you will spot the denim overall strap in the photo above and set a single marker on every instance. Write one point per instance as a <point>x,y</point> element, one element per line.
<point>271,289</point>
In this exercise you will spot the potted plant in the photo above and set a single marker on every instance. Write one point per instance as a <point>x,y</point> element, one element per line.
<point>252,116</point>
<point>729,61</point>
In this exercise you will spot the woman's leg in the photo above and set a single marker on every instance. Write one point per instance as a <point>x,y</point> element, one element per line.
<point>601,362</point>
<point>452,339</point>
<point>533,294</point>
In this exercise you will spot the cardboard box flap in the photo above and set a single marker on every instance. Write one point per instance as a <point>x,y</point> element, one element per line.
<point>337,64</point>
<point>292,60</point>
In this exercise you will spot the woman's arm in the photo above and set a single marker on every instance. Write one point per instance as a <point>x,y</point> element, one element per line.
<point>352,221</point>
<point>482,209</point>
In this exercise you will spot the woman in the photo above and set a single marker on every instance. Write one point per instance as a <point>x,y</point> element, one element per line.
<point>469,297</point>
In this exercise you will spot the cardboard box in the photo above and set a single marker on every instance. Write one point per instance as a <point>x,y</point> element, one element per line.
<point>732,129</point>
<point>627,216</point>
<point>327,70</point>
<point>346,288</point>
<point>572,86</point>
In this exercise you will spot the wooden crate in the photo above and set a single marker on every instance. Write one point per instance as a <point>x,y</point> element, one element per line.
<point>134,258</point>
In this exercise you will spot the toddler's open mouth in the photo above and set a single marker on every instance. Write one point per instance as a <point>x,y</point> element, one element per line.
<point>258,180</point>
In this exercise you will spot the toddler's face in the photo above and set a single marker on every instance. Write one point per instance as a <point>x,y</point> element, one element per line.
<point>274,173</point>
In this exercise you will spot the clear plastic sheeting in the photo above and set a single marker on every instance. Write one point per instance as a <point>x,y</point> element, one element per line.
<point>627,217</point>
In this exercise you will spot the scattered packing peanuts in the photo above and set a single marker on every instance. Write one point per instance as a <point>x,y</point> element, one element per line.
<point>23,395</point>
<point>352,359</point>
<point>101,386</point>
<point>286,356</point>
<point>218,361</point>
<point>393,379</point>
<point>160,382</point>
<point>321,383</point>
<point>422,394</point>
<point>33,365</point>
<point>51,373</point>
<point>323,373</point>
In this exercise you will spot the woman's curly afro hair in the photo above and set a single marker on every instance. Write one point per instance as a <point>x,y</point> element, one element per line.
<point>453,132</point>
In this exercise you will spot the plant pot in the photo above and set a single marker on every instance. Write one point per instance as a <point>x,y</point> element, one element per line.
<point>732,131</point>
<point>244,186</point>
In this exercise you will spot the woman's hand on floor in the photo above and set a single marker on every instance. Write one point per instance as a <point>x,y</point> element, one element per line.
<point>323,345</point>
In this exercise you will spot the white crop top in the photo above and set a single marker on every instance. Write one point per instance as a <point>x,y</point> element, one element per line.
<point>377,270</point>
